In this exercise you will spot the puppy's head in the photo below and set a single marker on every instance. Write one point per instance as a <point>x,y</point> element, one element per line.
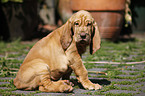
<point>82,27</point>
<point>84,30</point>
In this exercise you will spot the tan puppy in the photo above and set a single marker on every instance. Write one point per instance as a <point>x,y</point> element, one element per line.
<point>58,54</point>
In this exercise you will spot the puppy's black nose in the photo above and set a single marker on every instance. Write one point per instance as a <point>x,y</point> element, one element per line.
<point>83,35</point>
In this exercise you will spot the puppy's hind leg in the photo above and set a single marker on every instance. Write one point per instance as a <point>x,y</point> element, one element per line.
<point>28,76</point>
<point>47,85</point>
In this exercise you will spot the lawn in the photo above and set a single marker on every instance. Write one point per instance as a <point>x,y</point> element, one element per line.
<point>122,75</point>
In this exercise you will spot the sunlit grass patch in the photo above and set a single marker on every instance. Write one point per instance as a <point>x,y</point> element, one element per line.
<point>15,46</point>
<point>119,52</point>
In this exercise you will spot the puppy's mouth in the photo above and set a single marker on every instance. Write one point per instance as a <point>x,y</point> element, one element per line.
<point>84,41</point>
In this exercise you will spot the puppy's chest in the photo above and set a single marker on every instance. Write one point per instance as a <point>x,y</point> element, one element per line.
<point>59,69</point>
<point>58,72</point>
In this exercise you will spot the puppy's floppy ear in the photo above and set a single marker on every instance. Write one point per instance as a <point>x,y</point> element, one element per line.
<point>67,35</point>
<point>95,39</point>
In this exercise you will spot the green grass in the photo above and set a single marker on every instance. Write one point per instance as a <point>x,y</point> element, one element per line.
<point>112,87</point>
<point>10,52</point>
<point>13,53</point>
<point>15,46</point>
<point>119,94</point>
<point>120,52</point>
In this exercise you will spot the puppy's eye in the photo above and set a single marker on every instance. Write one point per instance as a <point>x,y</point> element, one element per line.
<point>76,23</point>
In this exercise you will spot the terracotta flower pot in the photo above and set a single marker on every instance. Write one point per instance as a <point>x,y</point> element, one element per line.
<point>109,15</point>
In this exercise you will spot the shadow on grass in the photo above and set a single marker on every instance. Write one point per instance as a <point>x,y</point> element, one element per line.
<point>95,81</point>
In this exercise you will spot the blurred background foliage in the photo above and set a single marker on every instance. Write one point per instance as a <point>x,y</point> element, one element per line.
<point>25,19</point>
<point>5,1</point>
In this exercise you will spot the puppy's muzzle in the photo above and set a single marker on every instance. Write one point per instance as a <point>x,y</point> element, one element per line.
<point>83,35</point>
<point>84,38</point>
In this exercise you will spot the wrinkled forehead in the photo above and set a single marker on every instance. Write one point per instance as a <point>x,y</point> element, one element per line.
<point>82,16</point>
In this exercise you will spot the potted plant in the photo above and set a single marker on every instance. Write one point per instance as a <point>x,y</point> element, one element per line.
<point>109,15</point>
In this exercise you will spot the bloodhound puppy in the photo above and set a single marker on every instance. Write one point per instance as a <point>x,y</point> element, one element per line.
<point>58,54</point>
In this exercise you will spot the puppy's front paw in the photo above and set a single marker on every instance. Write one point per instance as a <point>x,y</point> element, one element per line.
<point>97,86</point>
<point>93,87</point>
